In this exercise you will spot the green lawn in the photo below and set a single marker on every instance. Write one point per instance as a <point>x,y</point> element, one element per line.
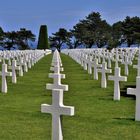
<point>97,116</point>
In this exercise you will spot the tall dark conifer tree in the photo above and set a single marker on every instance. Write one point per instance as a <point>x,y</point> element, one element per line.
<point>43,38</point>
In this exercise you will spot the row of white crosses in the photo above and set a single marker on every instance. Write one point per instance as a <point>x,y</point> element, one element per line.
<point>130,91</point>
<point>126,57</point>
<point>17,57</point>
<point>102,68</point>
<point>57,109</point>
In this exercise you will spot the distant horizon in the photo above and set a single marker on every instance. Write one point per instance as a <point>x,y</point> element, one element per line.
<point>30,14</point>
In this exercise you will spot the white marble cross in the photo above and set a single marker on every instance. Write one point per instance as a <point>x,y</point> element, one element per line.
<point>109,60</point>
<point>137,67</point>
<point>57,109</point>
<point>29,61</point>
<point>103,71</point>
<point>57,82</point>
<point>57,69</point>
<point>14,68</point>
<point>9,62</point>
<point>54,63</point>
<point>56,59</point>
<point>82,59</point>
<point>4,74</point>
<point>116,58</point>
<point>21,68</point>
<point>136,92</point>
<point>25,65</point>
<point>85,62</point>
<point>116,78</point>
<point>103,59</point>
<point>126,63</point>
<point>32,60</point>
<point>89,61</point>
<point>99,58</point>
<point>96,66</point>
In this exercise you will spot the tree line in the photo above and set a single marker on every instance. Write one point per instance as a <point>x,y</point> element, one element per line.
<point>16,39</point>
<point>93,30</point>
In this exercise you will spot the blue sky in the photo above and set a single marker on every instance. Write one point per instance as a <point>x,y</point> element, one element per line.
<point>15,14</point>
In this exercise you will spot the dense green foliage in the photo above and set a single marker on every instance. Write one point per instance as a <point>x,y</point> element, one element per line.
<point>131,30</point>
<point>24,36</point>
<point>88,32</point>
<point>43,38</point>
<point>59,38</point>
<point>93,30</point>
<point>97,116</point>
<point>19,38</point>
<point>1,34</point>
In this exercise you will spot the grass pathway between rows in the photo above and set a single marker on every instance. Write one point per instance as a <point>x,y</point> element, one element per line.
<point>97,116</point>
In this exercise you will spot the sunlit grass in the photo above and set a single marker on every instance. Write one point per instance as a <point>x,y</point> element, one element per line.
<point>97,116</point>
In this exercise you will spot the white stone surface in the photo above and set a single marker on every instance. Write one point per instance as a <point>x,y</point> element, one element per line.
<point>109,61</point>
<point>85,62</point>
<point>117,78</point>
<point>126,63</point>
<point>137,67</point>
<point>96,66</point>
<point>21,67</point>
<point>57,109</point>
<point>9,62</point>
<point>56,69</point>
<point>56,60</point>
<point>4,74</point>
<point>14,68</point>
<point>57,82</point>
<point>89,61</point>
<point>136,92</point>
<point>103,72</point>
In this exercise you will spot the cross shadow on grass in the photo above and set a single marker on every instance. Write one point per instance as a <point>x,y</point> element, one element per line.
<point>125,118</point>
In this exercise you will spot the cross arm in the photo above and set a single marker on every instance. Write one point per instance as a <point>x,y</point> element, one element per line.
<point>45,108</point>
<point>52,86</point>
<point>53,68</point>
<point>55,75</point>
<point>8,73</point>
<point>131,91</point>
<point>66,110</point>
<point>17,68</point>
<point>109,71</point>
<point>123,78</point>
<point>111,77</point>
<point>55,63</point>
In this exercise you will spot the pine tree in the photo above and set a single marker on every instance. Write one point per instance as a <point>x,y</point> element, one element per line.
<point>43,38</point>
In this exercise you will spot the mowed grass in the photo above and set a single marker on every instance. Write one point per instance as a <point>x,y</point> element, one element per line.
<point>20,116</point>
<point>97,116</point>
